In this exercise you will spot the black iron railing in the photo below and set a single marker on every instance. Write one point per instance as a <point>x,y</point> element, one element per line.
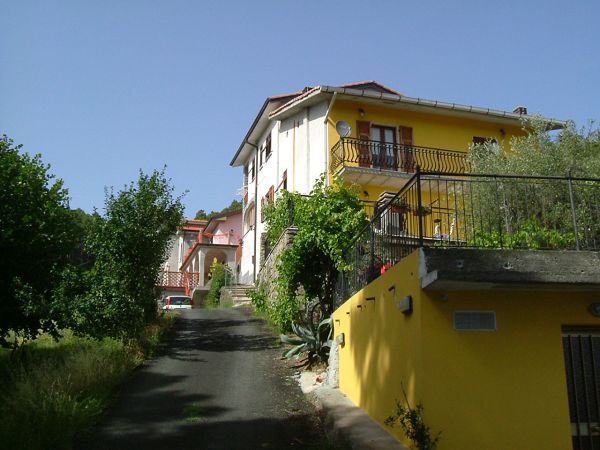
<point>474,211</point>
<point>395,157</point>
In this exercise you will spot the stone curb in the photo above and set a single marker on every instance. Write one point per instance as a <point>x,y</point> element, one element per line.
<point>345,424</point>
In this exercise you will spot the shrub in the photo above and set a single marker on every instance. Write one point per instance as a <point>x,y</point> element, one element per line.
<point>314,341</point>
<point>411,421</point>
<point>221,274</point>
<point>258,297</point>
<point>327,221</point>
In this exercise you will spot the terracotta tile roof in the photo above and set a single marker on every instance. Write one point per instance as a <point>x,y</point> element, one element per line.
<point>298,98</point>
<point>370,83</point>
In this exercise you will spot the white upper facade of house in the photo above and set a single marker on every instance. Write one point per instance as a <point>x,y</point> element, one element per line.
<point>285,154</point>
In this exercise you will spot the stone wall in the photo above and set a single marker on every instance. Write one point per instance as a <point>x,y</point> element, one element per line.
<point>268,269</point>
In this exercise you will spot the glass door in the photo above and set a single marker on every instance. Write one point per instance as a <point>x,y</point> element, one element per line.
<point>384,147</point>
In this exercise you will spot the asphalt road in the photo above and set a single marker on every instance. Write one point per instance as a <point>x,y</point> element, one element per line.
<point>220,384</point>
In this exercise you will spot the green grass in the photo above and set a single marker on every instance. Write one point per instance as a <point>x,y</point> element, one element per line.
<point>53,390</point>
<point>193,413</point>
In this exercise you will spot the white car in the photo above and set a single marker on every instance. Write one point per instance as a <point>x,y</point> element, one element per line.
<point>178,302</point>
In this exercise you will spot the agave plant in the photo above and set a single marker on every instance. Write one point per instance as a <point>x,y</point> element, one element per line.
<point>315,341</point>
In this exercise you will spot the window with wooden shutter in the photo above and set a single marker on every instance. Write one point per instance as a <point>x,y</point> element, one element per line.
<point>408,163</point>
<point>363,129</point>
<point>271,194</point>
<point>251,169</point>
<point>383,147</point>
<point>268,148</point>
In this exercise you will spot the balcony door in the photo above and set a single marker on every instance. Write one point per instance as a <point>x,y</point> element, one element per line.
<point>384,147</point>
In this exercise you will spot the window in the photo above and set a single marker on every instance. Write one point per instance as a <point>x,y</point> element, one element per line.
<point>283,184</point>
<point>492,142</point>
<point>265,151</point>
<point>265,201</point>
<point>268,148</point>
<point>249,219</point>
<point>477,140</point>
<point>251,169</point>
<point>384,151</point>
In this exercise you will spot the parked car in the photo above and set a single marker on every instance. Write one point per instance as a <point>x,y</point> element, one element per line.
<point>178,302</point>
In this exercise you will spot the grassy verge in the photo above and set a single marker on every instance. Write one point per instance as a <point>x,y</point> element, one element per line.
<point>53,390</point>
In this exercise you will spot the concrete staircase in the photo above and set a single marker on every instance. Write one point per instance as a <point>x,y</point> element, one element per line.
<point>235,294</point>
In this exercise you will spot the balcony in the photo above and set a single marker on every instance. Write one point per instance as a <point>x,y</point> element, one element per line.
<point>460,218</point>
<point>178,281</point>
<point>380,163</point>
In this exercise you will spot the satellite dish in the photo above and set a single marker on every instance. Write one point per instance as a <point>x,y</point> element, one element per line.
<point>343,128</point>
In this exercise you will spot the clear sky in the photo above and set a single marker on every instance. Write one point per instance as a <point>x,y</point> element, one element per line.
<point>104,88</point>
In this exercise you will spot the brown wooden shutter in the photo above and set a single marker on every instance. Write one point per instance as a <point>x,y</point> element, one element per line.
<point>363,130</point>
<point>408,163</point>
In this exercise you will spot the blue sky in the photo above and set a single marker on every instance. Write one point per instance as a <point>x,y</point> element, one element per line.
<point>104,88</point>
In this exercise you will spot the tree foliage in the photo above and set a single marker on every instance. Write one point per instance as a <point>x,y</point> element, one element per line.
<point>235,205</point>
<point>35,243</point>
<point>129,242</point>
<point>530,213</point>
<point>327,220</point>
<point>541,153</point>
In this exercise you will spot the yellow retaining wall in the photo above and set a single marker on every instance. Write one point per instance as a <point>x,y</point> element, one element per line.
<point>484,390</point>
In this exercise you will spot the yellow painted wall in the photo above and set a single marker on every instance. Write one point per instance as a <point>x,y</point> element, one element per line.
<point>382,346</point>
<point>429,130</point>
<point>484,390</point>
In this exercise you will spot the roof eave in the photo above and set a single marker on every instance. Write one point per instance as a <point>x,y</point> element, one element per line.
<point>288,109</point>
<point>245,142</point>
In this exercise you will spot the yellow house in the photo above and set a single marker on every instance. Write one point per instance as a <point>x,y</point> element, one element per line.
<point>366,133</point>
<point>501,347</point>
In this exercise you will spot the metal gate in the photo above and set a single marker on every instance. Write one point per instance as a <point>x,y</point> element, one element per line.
<point>582,363</point>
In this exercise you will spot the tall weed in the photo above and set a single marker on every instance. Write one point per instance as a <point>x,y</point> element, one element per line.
<point>54,390</point>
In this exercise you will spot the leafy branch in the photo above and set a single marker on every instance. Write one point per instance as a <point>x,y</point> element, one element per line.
<point>413,425</point>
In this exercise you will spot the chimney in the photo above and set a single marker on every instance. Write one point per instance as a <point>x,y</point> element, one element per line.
<point>521,110</point>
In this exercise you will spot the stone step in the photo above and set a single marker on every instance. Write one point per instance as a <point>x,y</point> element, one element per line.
<point>237,294</point>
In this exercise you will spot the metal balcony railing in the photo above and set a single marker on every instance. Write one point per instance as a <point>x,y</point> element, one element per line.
<point>401,158</point>
<point>474,211</point>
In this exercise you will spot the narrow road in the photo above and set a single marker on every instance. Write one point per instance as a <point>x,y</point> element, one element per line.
<point>220,384</point>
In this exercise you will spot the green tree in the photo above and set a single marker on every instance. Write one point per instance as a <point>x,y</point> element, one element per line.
<point>81,223</point>
<point>129,242</point>
<point>327,220</point>
<point>220,275</point>
<point>201,215</point>
<point>35,243</point>
<point>536,213</point>
<point>539,152</point>
<point>235,205</point>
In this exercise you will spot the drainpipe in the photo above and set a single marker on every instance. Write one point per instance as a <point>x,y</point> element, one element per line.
<point>255,204</point>
<point>326,135</point>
